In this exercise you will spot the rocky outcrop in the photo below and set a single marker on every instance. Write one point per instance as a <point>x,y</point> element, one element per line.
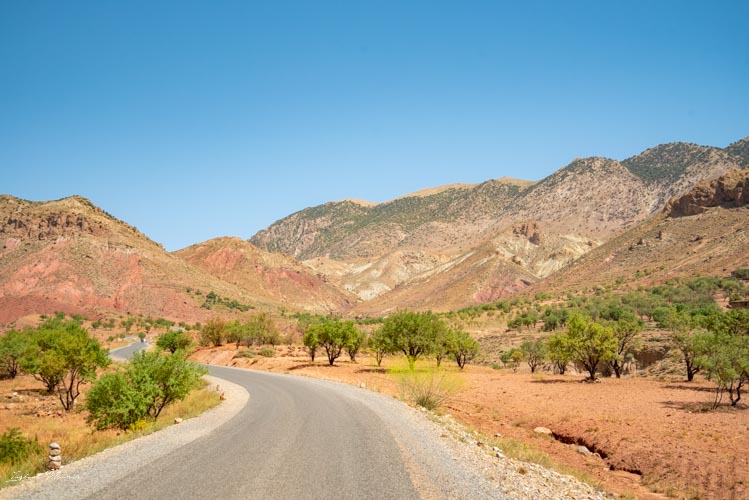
<point>730,191</point>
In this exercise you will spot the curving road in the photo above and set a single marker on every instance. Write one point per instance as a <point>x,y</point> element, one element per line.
<point>294,440</point>
<point>297,438</point>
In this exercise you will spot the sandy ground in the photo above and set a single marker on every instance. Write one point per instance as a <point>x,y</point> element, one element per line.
<point>655,438</point>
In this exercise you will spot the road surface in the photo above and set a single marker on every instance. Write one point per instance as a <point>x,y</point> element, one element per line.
<point>295,438</point>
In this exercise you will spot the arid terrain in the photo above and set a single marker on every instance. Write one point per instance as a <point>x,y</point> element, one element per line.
<point>481,254</point>
<point>655,438</point>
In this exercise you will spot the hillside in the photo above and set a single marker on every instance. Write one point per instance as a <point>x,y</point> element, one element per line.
<point>703,232</point>
<point>69,255</point>
<point>434,219</point>
<point>274,278</point>
<point>407,243</point>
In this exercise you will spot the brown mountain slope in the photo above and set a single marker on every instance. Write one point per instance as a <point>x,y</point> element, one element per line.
<point>275,278</point>
<point>703,232</point>
<point>432,219</point>
<point>740,149</point>
<point>70,255</point>
<point>389,248</point>
<point>483,274</point>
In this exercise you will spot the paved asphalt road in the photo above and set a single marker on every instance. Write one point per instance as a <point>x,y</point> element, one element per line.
<point>295,439</point>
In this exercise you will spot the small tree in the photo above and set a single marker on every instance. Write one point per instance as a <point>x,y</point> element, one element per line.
<point>380,345</point>
<point>590,344</point>
<point>512,358</point>
<point>333,336</point>
<point>174,341</point>
<point>13,346</point>
<point>683,338</point>
<point>63,356</point>
<point>355,342</point>
<point>412,333</point>
<point>462,347</point>
<point>214,332</point>
<point>559,352</point>
<point>724,357</point>
<point>311,342</point>
<point>534,352</point>
<point>626,331</point>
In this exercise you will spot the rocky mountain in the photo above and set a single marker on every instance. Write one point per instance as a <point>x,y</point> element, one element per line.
<point>272,277</point>
<point>703,232</point>
<point>594,221</point>
<point>740,149</point>
<point>530,230</point>
<point>69,255</point>
<point>436,218</point>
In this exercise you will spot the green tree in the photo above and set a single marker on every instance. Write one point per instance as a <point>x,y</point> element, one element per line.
<point>684,339</point>
<point>355,342</point>
<point>173,341</point>
<point>413,333</point>
<point>512,358</point>
<point>63,356</point>
<point>214,332</point>
<point>311,342</point>
<point>724,357</point>
<point>559,352</point>
<point>13,346</point>
<point>333,335</point>
<point>626,330</point>
<point>534,352</point>
<point>590,344</point>
<point>380,345</point>
<point>461,346</point>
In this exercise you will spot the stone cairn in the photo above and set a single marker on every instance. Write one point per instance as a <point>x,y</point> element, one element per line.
<point>55,457</point>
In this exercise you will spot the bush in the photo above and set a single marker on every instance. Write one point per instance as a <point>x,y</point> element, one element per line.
<point>173,341</point>
<point>428,390</point>
<point>214,332</point>
<point>149,383</point>
<point>115,401</point>
<point>268,353</point>
<point>246,353</point>
<point>742,274</point>
<point>14,448</point>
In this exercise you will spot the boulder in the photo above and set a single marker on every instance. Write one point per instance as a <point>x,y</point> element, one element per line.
<point>543,430</point>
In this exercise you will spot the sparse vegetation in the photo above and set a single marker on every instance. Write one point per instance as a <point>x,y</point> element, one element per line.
<point>149,383</point>
<point>62,355</point>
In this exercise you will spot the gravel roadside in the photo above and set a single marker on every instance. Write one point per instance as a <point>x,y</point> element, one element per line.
<point>84,477</point>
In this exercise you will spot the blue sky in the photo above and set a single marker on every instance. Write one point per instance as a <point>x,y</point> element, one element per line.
<point>192,120</point>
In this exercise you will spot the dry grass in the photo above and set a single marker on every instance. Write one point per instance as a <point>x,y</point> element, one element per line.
<point>78,440</point>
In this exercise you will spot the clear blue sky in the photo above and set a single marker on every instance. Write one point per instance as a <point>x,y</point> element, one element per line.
<point>192,120</point>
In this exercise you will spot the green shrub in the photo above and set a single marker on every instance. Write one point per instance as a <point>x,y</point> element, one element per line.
<point>149,383</point>
<point>742,274</point>
<point>268,353</point>
<point>15,448</point>
<point>246,353</point>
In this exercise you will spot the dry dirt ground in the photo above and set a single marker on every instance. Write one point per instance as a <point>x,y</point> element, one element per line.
<point>655,438</point>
